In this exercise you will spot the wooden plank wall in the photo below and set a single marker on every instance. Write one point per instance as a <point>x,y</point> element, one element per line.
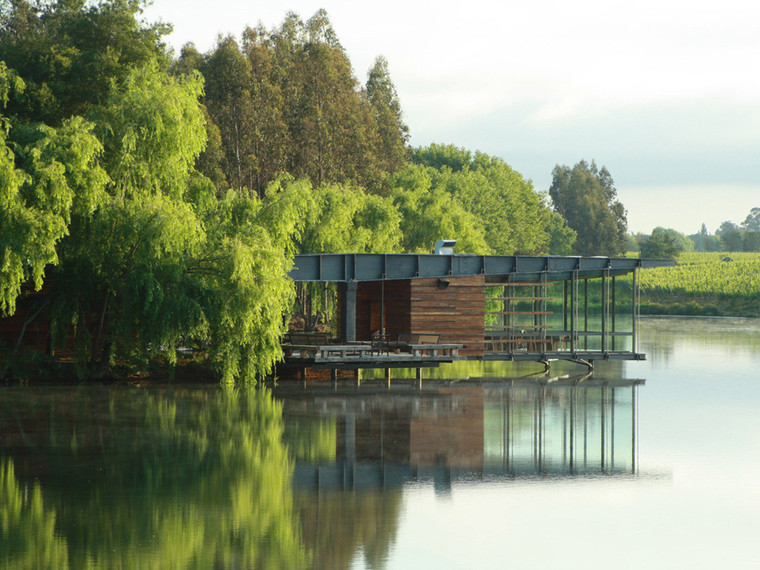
<point>456,313</point>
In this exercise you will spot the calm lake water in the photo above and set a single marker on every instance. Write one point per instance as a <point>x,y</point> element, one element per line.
<point>650,464</point>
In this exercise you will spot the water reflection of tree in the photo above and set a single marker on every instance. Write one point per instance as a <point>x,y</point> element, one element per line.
<point>27,526</point>
<point>156,480</point>
<point>338,525</point>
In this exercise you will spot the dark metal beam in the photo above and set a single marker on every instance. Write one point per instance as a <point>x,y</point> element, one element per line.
<point>346,267</point>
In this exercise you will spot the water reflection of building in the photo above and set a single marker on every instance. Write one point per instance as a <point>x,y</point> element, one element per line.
<point>487,431</point>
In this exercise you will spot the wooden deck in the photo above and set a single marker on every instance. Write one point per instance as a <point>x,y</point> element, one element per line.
<point>366,355</point>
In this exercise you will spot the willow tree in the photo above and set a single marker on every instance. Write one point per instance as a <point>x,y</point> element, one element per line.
<point>342,218</point>
<point>514,216</point>
<point>164,260</point>
<point>429,213</point>
<point>47,175</point>
<point>139,251</point>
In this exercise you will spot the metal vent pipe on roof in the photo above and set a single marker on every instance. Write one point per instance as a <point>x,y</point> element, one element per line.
<point>445,246</point>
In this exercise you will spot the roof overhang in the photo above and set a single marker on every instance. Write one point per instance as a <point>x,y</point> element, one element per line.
<point>347,267</point>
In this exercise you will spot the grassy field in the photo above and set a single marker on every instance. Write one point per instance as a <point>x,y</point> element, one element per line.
<point>704,284</point>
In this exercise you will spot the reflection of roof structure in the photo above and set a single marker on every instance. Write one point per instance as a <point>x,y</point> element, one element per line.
<point>487,307</point>
<point>518,429</point>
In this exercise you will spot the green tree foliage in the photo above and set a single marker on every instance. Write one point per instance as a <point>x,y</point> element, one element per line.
<point>704,241</point>
<point>586,198</point>
<point>430,213</point>
<point>665,243</point>
<point>561,237</point>
<point>230,104</point>
<point>287,100</point>
<point>342,219</point>
<point>59,176</point>
<point>153,131</point>
<point>148,255</point>
<point>752,221</point>
<point>514,217</point>
<point>735,238</point>
<point>70,51</point>
<point>392,152</point>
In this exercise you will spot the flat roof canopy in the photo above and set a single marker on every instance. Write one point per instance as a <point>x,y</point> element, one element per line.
<point>345,267</point>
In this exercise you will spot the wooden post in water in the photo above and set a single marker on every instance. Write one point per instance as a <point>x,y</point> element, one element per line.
<point>388,377</point>
<point>358,377</point>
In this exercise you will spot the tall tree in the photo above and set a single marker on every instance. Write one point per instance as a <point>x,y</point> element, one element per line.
<point>585,196</point>
<point>392,152</point>
<point>69,52</point>
<point>328,120</point>
<point>231,107</point>
<point>752,221</point>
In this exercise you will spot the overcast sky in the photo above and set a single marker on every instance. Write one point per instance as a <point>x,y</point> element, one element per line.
<point>664,93</point>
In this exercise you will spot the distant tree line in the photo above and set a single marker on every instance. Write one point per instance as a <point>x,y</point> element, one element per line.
<point>159,199</point>
<point>665,242</point>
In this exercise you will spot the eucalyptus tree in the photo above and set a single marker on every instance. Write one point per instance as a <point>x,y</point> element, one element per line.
<point>586,197</point>
<point>228,83</point>
<point>393,134</point>
<point>329,122</point>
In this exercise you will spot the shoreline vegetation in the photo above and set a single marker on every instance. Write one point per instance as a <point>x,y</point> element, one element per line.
<point>151,202</point>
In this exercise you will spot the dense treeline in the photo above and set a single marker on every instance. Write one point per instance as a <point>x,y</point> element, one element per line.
<point>286,100</point>
<point>159,200</point>
<point>730,237</point>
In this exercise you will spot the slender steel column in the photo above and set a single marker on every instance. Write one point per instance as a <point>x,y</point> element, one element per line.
<point>635,310</point>
<point>605,308</point>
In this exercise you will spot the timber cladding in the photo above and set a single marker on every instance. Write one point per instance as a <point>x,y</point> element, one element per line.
<point>453,308</point>
<point>456,313</point>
